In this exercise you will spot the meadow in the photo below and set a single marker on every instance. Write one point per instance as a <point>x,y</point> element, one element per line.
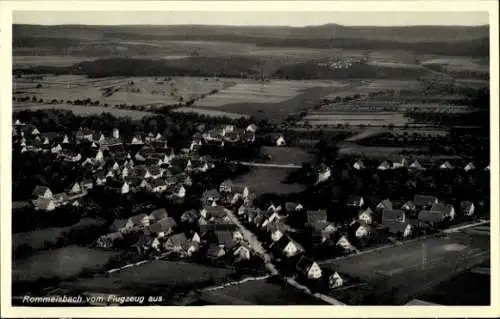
<point>167,275</point>
<point>63,263</point>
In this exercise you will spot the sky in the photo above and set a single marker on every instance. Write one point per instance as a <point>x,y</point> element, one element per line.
<point>353,18</point>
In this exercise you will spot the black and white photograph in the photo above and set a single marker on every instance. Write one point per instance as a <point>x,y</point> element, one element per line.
<point>250,158</point>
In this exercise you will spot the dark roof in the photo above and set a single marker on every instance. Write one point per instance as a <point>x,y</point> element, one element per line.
<point>314,216</point>
<point>392,215</point>
<point>137,219</point>
<point>386,203</point>
<point>191,214</point>
<point>118,224</point>
<point>157,182</point>
<point>216,226</point>
<point>225,238</point>
<point>430,216</point>
<point>444,208</point>
<point>290,206</point>
<point>395,227</point>
<point>178,240</point>
<point>423,200</point>
<point>213,250</point>
<point>40,190</point>
<point>158,214</point>
<point>304,264</point>
<point>210,193</point>
<point>465,205</point>
<point>162,225</point>
<point>217,211</point>
<point>113,236</point>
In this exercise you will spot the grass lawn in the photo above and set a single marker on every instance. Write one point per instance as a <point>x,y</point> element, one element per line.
<point>262,180</point>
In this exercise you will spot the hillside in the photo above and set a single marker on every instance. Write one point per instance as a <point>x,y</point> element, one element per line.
<point>108,40</point>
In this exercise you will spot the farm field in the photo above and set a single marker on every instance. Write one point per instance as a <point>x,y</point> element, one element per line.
<point>397,273</point>
<point>39,239</point>
<point>286,155</point>
<point>274,91</point>
<point>261,180</point>
<point>60,263</point>
<point>87,110</point>
<point>23,61</point>
<point>209,112</point>
<point>262,292</point>
<point>130,91</point>
<point>166,275</point>
<point>355,118</point>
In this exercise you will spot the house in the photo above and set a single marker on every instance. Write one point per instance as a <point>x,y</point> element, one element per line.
<point>158,214</point>
<point>215,252</point>
<point>400,164</point>
<point>409,206</point>
<point>277,230</point>
<point>226,239</point>
<point>56,149</point>
<point>293,207</point>
<point>423,201</point>
<point>119,225</point>
<point>46,204</point>
<point>467,208</point>
<point>210,196</point>
<point>109,240</point>
<point>469,167</point>
<point>323,173</point>
<point>430,218</point>
<point>280,141</point>
<point>75,189</point>
<point>144,244</point>
<point>416,166</point>
<point>178,191</point>
<point>358,165</point>
<point>487,168</point>
<point>251,128</point>
<point>398,228</point>
<point>447,210</point>
<point>242,252</point>
<point>384,204</point>
<point>314,216</point>
<point>398,215</point>
<point>226,186</point>
<point>125,188</point>
<point>335,281</point>
<point>288,247</point>
<point>366,216</point>
<point>42,192</point>
<point>355,201</point>
<point>272,218</point>
<point>87,184</point>
<point>137,140</point>
<point>61,199</point>
<point>211,212</point>
<point>384,166</point>
<point>139,220</point>
<point>177,243</point>
<point>344,243</point>
<point>363,230</point>
<point>446,165</point>
<point>308,268</point>
<point>190,216</point>
<point>157,185</point>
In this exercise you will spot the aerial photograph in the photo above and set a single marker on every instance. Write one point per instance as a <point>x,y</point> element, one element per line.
<point>216,158</point>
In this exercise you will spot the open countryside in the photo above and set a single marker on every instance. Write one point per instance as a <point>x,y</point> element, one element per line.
<point>224,165</point>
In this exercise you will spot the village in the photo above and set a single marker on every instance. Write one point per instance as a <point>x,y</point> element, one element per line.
<point>215,229</point>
